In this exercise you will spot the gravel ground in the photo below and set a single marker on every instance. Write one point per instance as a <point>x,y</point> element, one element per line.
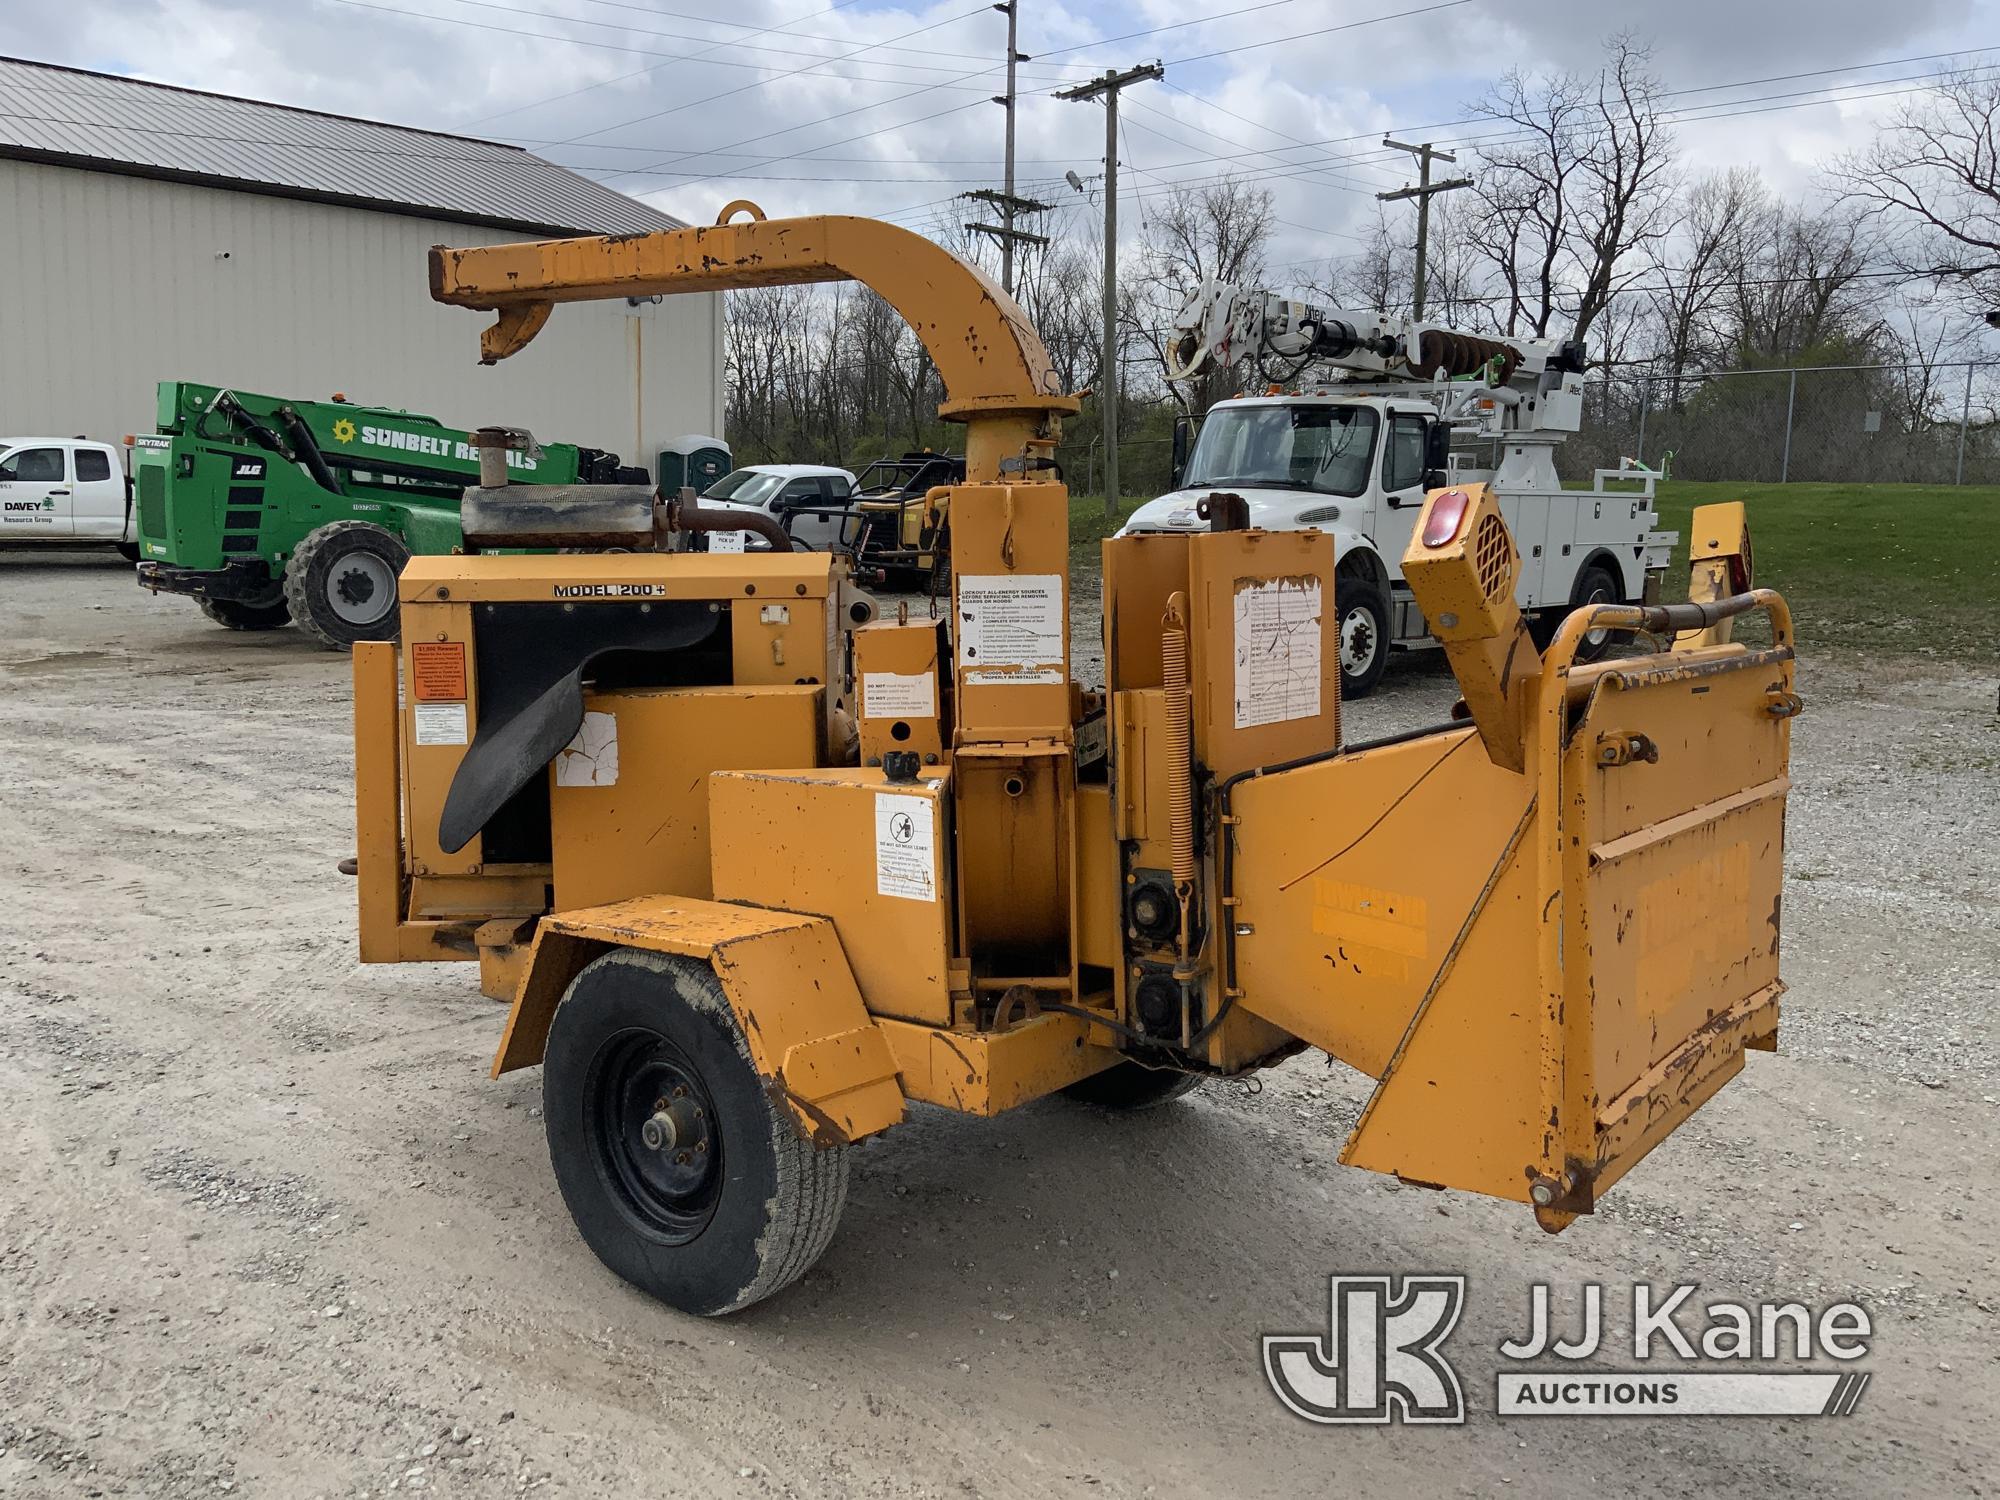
<point>270,1230</point>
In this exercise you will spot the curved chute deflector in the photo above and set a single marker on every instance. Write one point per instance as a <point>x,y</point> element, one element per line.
<point>989,355</point>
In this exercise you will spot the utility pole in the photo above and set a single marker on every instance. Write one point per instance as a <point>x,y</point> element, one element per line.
<point>1005,200</point>
<point>1107,89</point>
<point>1423,192</point>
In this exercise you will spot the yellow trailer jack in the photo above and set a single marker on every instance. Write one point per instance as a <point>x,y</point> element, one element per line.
<point>753,868</point>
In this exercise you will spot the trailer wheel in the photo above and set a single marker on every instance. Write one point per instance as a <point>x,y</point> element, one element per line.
<point>248,614</point>
<point>682,1173</point>
<point>1597,584</point>
<point>341,583</point>
<point>1363,634</point>
<point>1129,1086</point>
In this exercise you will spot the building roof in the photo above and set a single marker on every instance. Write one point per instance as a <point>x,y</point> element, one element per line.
<point>107,123</point>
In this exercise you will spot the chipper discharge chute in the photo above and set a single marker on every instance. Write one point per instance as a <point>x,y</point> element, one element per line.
<point>754,868</point>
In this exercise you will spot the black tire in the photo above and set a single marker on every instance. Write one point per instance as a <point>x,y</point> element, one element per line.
<point>710,1230</point>
<point>1597,584</point>
<point>248,614</point>
<point>129,551</point>
<point>1128,1086</point>
<point>1361,634</point>
<point>341,584</point>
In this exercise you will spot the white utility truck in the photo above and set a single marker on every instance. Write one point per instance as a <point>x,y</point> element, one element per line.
<point>1364,414</point>
<point>65,492</point>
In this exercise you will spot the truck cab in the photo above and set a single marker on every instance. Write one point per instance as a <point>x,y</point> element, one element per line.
<point>65,490</point>
<point>1359,466</point>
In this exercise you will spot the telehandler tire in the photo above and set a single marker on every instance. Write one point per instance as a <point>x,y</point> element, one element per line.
<point>245,614</point>
<point>341,583</point>
<point>682,1173</point>
<point>1128,1086</point>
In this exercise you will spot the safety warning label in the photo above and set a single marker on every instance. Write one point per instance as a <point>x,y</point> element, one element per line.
<point>905,847</point>
<point>1277,650</point>
<point>898,695</point>
<point>1010,627</point>
<point>439,723</point>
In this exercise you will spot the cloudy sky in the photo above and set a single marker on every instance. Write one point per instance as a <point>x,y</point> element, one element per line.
<point>879,108</point>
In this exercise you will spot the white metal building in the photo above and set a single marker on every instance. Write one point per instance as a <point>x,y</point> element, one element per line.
<point>150,233</point>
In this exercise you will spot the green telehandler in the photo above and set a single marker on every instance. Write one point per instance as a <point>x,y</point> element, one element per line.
<point>268,511</point>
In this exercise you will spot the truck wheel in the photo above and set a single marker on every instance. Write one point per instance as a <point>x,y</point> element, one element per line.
<point>1128,1086</point>
<point>129,551</point>
<point>682,1173</point>
<point>1363,635</point>
<point>1597,584</point>
<point>247,614</point>
<point>341,583</point>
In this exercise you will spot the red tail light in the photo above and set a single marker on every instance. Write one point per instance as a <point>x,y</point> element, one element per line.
<point>1447,514</point>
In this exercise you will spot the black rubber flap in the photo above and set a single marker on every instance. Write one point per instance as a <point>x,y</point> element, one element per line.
<point>532,659</point>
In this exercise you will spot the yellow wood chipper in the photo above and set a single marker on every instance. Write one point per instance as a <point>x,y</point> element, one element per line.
<point>755,869</point>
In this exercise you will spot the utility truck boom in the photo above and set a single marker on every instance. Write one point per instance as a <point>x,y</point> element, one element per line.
<point>1362,413</point>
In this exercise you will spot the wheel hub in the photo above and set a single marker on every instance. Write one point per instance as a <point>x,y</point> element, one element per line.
<point>361,588</point>
<point>1358,641</point>
<point>654,1127</point>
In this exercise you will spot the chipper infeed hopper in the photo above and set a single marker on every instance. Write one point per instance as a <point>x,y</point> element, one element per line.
<point>753,868</point>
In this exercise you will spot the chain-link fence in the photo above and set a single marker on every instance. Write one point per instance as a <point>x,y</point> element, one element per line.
<point>1842,424</point>
<point>1834,424</point>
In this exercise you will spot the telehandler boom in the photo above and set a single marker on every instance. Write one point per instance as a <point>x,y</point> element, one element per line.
<point>754,869</point>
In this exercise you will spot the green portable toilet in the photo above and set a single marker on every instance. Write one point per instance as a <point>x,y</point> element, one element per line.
<point>693,462</point>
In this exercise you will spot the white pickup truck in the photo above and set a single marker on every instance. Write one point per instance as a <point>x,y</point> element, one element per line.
<point>65,492</point>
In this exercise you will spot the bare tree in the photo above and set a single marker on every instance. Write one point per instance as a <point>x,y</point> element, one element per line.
<point>1695,274</point>
<point>1584,179</point>
<point>1932,177</point>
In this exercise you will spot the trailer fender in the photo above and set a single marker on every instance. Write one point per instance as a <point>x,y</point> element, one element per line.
<point>786,979</point>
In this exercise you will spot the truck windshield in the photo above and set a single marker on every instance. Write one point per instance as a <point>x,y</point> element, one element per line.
<point>745,487</point>
<point>1325,449</point>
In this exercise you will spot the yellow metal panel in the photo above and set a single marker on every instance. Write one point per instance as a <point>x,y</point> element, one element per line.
<point>1354,875</point>
<point>430,767</point>
<point>378,833</point>
<point>786,980</point>
<point>1140,572</point>
<point>781,641</point>
<point>648,832</point>
<point>983,1073</point>
<point>900,665</point>
<point>1266,687</point>
<point>1007,536</point>
<point>1100,889</point>
<point>588,578</point>
<point>809,841</point>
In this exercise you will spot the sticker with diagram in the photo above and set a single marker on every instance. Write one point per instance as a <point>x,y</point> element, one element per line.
<point>1277,641</point>
<point>905,847</point>
<point>591,759</point>
<point>1010,627</point>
